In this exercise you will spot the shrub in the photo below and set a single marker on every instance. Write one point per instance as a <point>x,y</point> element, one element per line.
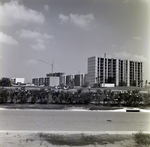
<point>142,139</point>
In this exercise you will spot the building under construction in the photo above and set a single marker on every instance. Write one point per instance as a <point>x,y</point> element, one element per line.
<point>51,79</point>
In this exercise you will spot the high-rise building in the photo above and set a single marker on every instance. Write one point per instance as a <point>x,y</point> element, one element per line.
<point>110,70</point>
<point>52,81</point>
<point>41,81</point>
<point>63,80</point>
<point>69,80</point>
<point>74,80</point>
<point>35,81</point>
<point>86,80</point>
<point>79,80</point>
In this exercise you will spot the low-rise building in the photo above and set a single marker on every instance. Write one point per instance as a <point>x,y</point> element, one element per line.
<point>18,80</point>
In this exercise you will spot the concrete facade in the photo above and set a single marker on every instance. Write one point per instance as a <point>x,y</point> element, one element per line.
<point>79,80</point>
<point>52,81</point>
<point>18,80</point>
<point>92,70</point>
<point>41,81</point>
<point>35,81</point>
<point>110,70</point>
<point>76,80</point>
<point>69,79</point>
<point>63,80</point>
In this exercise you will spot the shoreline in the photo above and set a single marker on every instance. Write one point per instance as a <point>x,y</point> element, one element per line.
<point>64,107</point>
<point>57,106</point>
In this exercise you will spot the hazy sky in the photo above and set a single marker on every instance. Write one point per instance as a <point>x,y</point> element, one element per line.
<point>70,31</point>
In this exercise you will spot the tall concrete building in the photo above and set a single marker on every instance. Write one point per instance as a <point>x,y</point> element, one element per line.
<point>35,81</point>
<point>52,81</point>
<point>41,81</point>
<point>110,70</point>
<point>76,80</point>
<point>69,79</point>
<point>79,80</point>
<point>86,80</point>
<point>63,80</point>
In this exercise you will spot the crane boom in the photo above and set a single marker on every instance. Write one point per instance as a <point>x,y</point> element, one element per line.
<point>52,65</point>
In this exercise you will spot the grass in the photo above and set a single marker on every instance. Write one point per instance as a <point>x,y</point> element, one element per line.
<point>57,106</point>
<point>30,139</point>
<point>34,106</point>
<point>81,139</point>
<point>142,139</point>
<point>99,107</point>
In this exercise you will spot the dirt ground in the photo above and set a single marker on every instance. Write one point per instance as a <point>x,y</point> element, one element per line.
<point>10,139</point>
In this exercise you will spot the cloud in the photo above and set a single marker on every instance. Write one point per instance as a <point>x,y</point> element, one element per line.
<point>113,45</point>
<point>83,21</point>
<point>38,37</point>
<point>28,34</point>
<point>126,1</point>
<point>137,38</point>
<point>33,34</point>
<point>6,39</point>
<point>40,41</point>
<point>141,1</point>
<point>128,56</point>
<point>140,58</point>
<point>46,36</point>
<point>123,55</point>
<point>46,7</point>
<point>32,61</point>
<point>38,46</point>
<point>12,13</point>
<point>63,18</point>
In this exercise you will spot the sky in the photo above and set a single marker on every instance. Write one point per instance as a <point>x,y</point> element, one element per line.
<point>67,32</point>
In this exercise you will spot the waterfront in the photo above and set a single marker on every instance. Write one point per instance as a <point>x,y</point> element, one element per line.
<point>67,120</point>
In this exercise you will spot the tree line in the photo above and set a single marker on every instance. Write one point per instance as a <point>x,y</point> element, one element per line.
<point>100,97</point>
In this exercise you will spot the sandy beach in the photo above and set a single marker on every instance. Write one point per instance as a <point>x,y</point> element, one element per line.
<point>24,139</point>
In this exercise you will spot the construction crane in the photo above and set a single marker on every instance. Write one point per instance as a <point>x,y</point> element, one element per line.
<point>52,65</point>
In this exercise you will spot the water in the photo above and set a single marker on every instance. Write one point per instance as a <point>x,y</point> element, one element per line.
<point>58,120</point>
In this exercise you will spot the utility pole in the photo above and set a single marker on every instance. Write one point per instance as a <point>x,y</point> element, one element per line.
<point>52,65</point>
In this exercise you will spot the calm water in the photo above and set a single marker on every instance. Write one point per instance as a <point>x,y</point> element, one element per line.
<point>59,120</point>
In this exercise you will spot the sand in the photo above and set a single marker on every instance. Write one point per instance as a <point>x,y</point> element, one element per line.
<point>24,139</point>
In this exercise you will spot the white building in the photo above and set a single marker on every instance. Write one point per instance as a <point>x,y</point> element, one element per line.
<point>52,81</point>
<point>18,80</point>
<point>110,70</point>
